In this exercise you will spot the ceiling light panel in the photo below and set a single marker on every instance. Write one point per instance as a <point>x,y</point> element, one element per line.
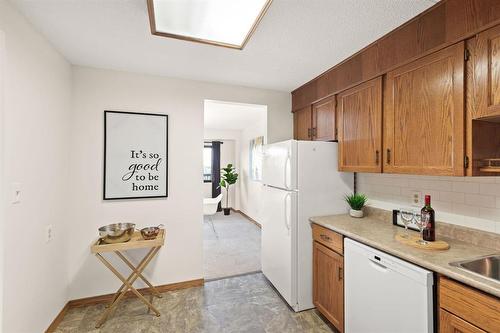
<point>228,23</point>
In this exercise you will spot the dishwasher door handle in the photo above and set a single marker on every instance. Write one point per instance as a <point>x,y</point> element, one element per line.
<point>379,266</point>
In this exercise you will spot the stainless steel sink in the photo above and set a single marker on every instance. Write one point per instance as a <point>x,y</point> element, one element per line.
<point>485,266</point>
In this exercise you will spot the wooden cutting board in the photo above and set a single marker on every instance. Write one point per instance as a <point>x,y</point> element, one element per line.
<point>412,240</point>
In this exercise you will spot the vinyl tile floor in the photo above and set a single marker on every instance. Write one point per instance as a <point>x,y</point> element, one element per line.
<point>232,249</point>
<point>244,303</point>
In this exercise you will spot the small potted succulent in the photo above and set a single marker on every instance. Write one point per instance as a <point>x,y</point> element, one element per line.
<point>356,201</point>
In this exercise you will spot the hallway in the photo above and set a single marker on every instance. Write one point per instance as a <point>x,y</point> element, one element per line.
<point>234,247</point>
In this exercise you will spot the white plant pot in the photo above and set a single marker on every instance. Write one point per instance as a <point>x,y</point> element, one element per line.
<point>356,213</point>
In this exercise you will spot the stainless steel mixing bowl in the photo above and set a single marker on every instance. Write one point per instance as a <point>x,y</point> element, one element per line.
<point>116,232</point>
<point>151,232</point>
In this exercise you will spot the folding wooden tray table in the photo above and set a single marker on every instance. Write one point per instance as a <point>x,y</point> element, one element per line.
<point>136,242</point>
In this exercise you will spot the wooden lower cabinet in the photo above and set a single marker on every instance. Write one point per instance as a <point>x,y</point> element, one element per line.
<point>465,309</point>
<point>328,284</point>
<point>449,323</point>
<point>328,238</point>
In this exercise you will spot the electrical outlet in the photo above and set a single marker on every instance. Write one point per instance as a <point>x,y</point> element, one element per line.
<point>49,233</point>
<point>416,198</point>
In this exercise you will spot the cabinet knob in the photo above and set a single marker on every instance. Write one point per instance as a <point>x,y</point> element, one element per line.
<point>340,273</point>
<point>388,156</point>
<point>377,153</point>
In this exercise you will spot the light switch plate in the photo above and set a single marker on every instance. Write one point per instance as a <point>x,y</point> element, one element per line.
<point>16,193</point>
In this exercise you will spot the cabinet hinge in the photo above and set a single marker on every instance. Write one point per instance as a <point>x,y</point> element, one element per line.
<point>466,162</point>
<point>466,55</point>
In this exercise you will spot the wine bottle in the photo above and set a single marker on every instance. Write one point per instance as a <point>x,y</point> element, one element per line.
<point>427,215</point>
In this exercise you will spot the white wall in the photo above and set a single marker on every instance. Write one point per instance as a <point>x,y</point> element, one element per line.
<point>37,93</point>
<point>98,90</point>
<point>251,190</point>
<point>472,202</point>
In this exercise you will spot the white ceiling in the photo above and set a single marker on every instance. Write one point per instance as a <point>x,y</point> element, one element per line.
<point>295,41</point>
<point>232,116</point>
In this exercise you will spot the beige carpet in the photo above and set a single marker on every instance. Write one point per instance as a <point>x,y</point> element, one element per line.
<point>234,247</point>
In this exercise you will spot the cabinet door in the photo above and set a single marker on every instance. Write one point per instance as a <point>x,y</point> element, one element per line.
<point>485,56</point>
<point>449,323</point>
<point>328,284</point>
<point>424,115</point>
<point>482,101</point>
<point>359,115</point>
<point>302,124</point>
<point>473,306</point>
<point>323,120</point>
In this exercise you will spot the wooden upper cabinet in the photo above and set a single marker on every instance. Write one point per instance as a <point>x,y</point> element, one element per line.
<point>302,124</point>
<point>328,284</point>
<point>359,117</point>
<point>483,102</point>
<point>440,26</point>
<point>323,120</point>
<point>485,83</point>
<point>424,115</point>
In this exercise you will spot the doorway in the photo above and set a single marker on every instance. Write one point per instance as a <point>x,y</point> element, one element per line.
<point>234,134</point>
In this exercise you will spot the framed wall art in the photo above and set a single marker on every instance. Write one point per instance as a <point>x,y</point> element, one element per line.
<point>135,155</point>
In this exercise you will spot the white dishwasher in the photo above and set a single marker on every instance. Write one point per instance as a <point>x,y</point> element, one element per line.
<point>384,294</point>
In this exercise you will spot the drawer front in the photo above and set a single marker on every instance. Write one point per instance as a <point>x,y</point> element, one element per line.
<point>328,238</point>
<point>476,307</point>
<point>449,323</point>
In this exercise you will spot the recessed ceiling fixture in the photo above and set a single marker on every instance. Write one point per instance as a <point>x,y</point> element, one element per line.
<point>228,23</point>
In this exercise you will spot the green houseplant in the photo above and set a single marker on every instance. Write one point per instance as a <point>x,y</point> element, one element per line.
<point>228,178</point>
<point>356,201</point>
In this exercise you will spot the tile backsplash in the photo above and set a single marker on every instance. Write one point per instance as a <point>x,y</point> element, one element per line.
<point>472,202</point>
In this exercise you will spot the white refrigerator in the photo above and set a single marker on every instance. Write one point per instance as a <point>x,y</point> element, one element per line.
<point>301,180</point>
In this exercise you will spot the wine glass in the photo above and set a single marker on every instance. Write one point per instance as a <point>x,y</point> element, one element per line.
<point>421,224</point>
<point>406,217</point>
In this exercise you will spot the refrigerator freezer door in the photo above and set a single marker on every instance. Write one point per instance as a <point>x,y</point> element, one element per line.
<point>278,247</point>
<point>279,165</point>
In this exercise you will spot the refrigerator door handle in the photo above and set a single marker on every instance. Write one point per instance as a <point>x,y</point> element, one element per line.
<point>287,222</point>
<point>287,162</point>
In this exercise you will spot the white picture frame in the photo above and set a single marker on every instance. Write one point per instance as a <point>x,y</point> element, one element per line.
<point>135,155</point>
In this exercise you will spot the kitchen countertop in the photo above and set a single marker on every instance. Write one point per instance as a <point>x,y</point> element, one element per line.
<point>380,234</point>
